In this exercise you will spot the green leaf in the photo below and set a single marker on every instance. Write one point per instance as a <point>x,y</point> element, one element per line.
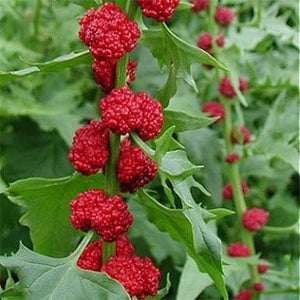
<point>163,144</point>
<point>184,6</point>
<point>48,212</point>
<point>56,65</point>
<point>256,165</point>
<point>87,4</point>
<point>221,212</point>
<point>185,122</point>
<point>172,51</point>
<point>43,277</point>
<point>187,226</point>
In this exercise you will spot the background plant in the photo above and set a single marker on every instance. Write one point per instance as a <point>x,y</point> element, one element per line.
<point>40,116</point>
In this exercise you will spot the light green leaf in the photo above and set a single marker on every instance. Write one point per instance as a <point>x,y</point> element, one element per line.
<point>56,65</point>
<point>185,122</point>
<point>45,278</point>
<point>48,211</point>
<point>163,143</point>
<point>187,226</point>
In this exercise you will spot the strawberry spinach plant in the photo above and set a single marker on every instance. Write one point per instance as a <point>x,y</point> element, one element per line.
<point>157,159</point>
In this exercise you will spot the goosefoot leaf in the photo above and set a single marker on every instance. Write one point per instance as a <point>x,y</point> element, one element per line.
<point>187,226</point>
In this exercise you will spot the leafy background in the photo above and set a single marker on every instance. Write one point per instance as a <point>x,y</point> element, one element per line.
<point>40,112</point>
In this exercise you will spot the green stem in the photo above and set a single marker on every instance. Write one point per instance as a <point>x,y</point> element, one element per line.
<point>289,229</point>
<point>37,18</point>
<point>238,196</point>
<point>112,183</point>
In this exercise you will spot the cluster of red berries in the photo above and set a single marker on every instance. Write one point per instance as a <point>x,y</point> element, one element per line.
<point>110,34</point>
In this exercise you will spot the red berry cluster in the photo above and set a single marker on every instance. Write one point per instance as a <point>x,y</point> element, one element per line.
<point>160,10</point>
<point>110,34</point>
<point>227,90</point>
<point>205,41</point>
<point>228,191</point>
<point>199,5</point>
<point>214,109</point>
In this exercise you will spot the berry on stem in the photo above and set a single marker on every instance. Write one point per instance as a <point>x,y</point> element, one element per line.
<point>135,169</point>
<point>214,109</point>
<point>139,276</point>
<point>231,158</point>
<point>263,268</point>
<point>244,294</point>
<point>224,16</point>
<point>91,257</point>
<point>228,191</point>
<point>246,136</point>
<point>108,216</point>
<point>108,32</point>
<point>89,151</point>
<point>259,287</point>
<point>160,10</point>
<point>121,113</point>
<point>205,41</point>
<point>238,250</point>
<point>255,218</point>
<point>105,73</point>
<point>199,5</point>
<point>227,90</point>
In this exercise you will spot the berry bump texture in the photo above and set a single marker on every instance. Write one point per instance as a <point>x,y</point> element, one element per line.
<point>134,169</point>
<point>160,10</point>
<point>227,90</point>
<point>139,276</point>
<point>231,158</point>
<point>238,250</point>
<point>245,136</point>
<point>244,294</point>
<point>108,32</point>
<point>255,218</point>
<point>91,257</point>
<point>199,5</point>
<point>89,152</point>
<point>205,41</point>
<point>108,216</point>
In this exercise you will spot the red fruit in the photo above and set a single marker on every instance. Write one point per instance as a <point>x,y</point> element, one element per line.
<point>231,158</point>
<point>91,257</point>
<point>199,5</point>
<point>228,192</point>
<point>238,250</point>
<point>105,73</point>
<point>152,118</point>
<point>108,216</point>
<point>263,268</point>
<point>121,113</point>
<point>226,88</point>
<point>244,294</point>
<point>108,32</point>
<point>245,133</point>
<point>214,109</point>
<point>224,15</point>
<point>138,275</point>
<point>255,218</point>
<point>220,40</point>
<point>258,286</point>
<point>243,84</point>
<point>160,10</point>
<point>205,41</point>
<point>89,151</point>
<point>135,169</point>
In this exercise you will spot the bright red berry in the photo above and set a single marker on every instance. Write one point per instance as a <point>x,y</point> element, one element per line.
<point>246,136</point>
<point>224,15</point>
<point>152,119</point>
<point>244,294</point>
<point>228,192</point>
<point>226,89</point>
<point>105,73</point>
<point>108,32</point>
<point>135,169</point>
<point>259,287</point>
<point>238,250</point>
<point>199,5</point>
<point>220,40</point>
<point>121,113</point>
<point>139,276</point>
<point>231,158</point>
<point>108,216</point>
<point>89,151</point>
<point>255,218</point>
<point>91,257</point>
<point>214,109</point>
<point>160,10</point>
<point>205,41</point>
<point>263,268</point>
